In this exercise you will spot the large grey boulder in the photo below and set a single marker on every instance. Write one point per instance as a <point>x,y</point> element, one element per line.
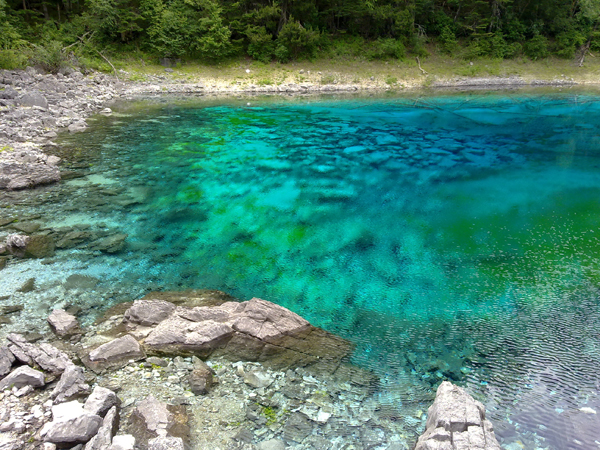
<point>255,330</point>
<point>101,401</point>
<point>44,355</point>
<point>71,385</point>
<point>103,439</point>
<point>6,360</point>
<point>22,376</point>
<point>115,353</point>
<point>456,421</point>
<point>63,323</point>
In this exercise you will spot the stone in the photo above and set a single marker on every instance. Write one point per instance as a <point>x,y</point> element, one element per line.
<point>9,93</point>
<point>33,99</point>
<point>71,385</point>
<point>101,401</point>
<point>456,421</point>
<point>44,355</point>
<point>22,376</point>
<point>72,431</point>
<point>257,379</point>
<point>152,418</point>
<point>155,361</point>
<point>73,239</point>
<point>148,312</point>
<point>77,127</point>
<point>8,442</point>
<point>244,435</point>
<point>15,176</point>
<point>115,353</point>
<point>77,281</point>
<point>66,411</point>
<point>103,439</point>
<point>63,323</point>
<point>6,360</point>
<point>201,378</point>
<point>166,443</point>
<point>28,286</point>
<point>297,428</point>
<point>123,442</point>
<point>111,244</point>
<point>271,444</point>
<point>26,227</point>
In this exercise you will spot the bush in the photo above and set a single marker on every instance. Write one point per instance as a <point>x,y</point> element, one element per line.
<point>261,45</point>
<point>386,48</point>
<point>536,47</point>
<point>447,40</point>
<point>49,57</point>
<point>295,41</point>
<point>12,59</point>
<point>568,42</point>
<point>418,47</point>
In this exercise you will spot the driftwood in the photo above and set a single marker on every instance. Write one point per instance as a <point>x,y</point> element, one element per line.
<point>422,70</point>
<point>113,67</point>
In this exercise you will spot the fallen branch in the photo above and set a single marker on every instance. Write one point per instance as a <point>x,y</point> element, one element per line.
<point>113,67</point>
<point>419,63</point>
<point>81,39</point>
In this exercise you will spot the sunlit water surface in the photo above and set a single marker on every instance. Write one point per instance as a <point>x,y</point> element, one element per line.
<point>450,237</point>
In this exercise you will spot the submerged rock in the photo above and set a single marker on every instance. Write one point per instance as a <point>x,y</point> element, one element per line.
<point>37,246</point>
<point>456,421</point>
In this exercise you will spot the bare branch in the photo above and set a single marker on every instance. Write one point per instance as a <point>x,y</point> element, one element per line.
<point>113,67</point>
<point>419,63</point>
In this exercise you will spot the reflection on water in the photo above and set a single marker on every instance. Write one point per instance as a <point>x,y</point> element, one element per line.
<point>452,237</point>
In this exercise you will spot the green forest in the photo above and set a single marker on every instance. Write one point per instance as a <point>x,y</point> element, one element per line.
<point>286,30</point>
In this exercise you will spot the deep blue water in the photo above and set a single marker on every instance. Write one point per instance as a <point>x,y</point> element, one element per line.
<point>450,237</point>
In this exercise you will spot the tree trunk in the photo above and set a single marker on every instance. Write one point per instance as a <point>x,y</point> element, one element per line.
<point>585,48</point>
<point>45,9</point>
<point>582,52</point>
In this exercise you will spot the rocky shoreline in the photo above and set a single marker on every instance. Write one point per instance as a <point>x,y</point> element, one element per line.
<point>267,380</point>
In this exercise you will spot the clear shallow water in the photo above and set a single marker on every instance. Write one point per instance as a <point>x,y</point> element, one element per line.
<point>451,237</point>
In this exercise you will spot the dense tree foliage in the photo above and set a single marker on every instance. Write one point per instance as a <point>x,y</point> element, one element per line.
<point>281,30</point>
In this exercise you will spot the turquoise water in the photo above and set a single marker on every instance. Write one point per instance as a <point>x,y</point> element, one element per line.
<point>449,237</point>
